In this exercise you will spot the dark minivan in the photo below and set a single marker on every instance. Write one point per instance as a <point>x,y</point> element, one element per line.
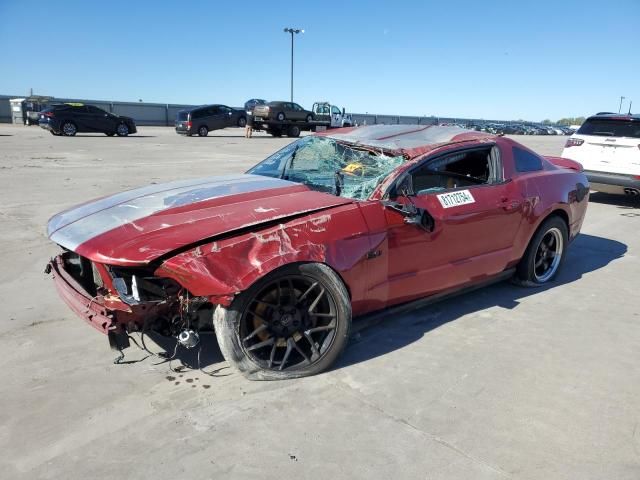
<point>201,120</point>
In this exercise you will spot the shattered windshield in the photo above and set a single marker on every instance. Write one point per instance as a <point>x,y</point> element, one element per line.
<point>329,166</point>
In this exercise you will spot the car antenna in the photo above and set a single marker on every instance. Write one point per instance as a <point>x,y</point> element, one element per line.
<point>630,102</point>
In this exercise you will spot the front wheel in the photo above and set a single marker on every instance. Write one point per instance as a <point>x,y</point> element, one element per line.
<point>242,122</point>
<point>544,255</point>
<point>309,118</point>
<point>203,131</point>
<point>122,130</point>
<point>292,323</point>
<point>280,117</point>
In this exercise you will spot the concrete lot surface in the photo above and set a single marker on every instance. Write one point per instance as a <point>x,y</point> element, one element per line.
<point>504,382</point>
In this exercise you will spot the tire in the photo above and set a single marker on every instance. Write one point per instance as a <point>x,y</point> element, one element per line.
<point>540,263</point>
<point>242,122</point>
<point>69,129</point>
<point>280,117</point>
<point>294,131</point>
<point>203,131</point>
<point>275,132</point>
<point>54,133</point>
<point>122,130</point>
<point>309,118</point>
<point>257,345</point>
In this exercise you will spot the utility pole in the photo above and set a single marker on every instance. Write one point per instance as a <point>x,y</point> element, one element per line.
<point>292,31</point>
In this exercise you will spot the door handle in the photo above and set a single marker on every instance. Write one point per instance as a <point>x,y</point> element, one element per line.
<point>509,204</point>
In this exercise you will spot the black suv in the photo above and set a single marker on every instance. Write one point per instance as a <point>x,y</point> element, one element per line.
<point>203,119</point>
<point>69,119</point>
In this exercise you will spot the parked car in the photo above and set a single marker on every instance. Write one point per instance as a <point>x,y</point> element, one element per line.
<point>249,105</point>
<point>206,118</point>
<point>513,130</point>
<point>334,225</point>
<point>282,111</point>
<point>71,118</point>
<point>608,147</point>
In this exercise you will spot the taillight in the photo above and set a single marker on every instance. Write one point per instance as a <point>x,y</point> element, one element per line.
<point>573,142</point>
<point>189,124</point>
<point>48,114</point>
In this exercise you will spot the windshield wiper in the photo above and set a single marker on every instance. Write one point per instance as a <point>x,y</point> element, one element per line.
<point>339,182</point>
<point>290,162</point>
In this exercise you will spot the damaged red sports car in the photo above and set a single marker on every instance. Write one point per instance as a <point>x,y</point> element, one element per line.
<point>333,226</point>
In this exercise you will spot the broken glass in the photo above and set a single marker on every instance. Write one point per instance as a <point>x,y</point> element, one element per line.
<point>329,166</point>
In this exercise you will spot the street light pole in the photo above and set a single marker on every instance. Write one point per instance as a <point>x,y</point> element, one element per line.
<point>292,31</point>
<point>619,108</point>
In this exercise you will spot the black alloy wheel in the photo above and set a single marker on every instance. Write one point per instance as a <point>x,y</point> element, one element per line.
<point>291,324</point>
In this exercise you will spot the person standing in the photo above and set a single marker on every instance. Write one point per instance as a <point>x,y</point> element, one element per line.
<point>248,129</point>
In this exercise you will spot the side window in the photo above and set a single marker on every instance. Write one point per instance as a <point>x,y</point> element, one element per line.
<point>95,110</point>
<point>335,110</point>
<point>461,169</point>
<point>81,110</point>
<point>288,106</point>
<point>526,161</point>
<point>215,110</point>
<point>297,107</point>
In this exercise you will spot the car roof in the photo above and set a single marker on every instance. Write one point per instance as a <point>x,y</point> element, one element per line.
<point>634,117</point>
<point>203,106</point>
<point>409,140</point>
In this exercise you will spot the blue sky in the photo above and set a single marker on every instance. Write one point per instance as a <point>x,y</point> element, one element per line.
<point>482,59</point>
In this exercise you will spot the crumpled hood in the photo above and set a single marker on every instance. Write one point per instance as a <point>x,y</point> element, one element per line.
<point>138,226</point>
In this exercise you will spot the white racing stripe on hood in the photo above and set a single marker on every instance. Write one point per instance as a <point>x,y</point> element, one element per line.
<point>78,225</point>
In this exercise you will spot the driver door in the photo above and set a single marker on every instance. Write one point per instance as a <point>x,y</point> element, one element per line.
<point>473,215</point>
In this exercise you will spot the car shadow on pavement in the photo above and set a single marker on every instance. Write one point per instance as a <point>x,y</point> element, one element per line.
<point>586,254</point>
<point>113,136</point>
<point>187,358</point>
<point>621,201</point>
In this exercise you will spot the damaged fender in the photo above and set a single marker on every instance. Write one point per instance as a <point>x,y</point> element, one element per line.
<point>222,268</point>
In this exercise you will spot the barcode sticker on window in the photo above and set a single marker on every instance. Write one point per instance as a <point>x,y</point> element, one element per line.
<point>454,199</point>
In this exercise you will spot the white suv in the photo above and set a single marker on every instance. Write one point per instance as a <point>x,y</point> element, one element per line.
<point>608,147</point>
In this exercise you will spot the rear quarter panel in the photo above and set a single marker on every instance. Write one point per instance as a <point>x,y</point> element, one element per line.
<point>545,192</point>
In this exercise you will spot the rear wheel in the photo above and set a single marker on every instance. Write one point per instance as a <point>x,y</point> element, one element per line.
<point>122,130</point>
<point>294,131</point>
<point>280,117</point>
<point>203,131</point>
<point>545,253</point>
<point>292,323</point>
<point>69,129</point>
<point>309,118</point>
<point>242,122</point>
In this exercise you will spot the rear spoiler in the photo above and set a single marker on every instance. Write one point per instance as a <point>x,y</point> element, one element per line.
<point>564,163</point>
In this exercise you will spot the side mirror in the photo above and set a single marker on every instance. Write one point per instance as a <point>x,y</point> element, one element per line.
<point>412,215</point>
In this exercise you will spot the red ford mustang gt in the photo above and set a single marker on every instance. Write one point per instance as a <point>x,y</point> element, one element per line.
<point>333,226</point>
